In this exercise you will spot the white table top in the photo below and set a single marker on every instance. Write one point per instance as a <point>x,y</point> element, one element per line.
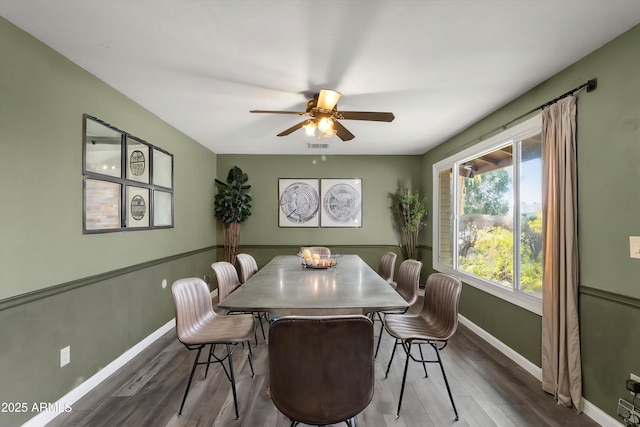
<point>283,286</point>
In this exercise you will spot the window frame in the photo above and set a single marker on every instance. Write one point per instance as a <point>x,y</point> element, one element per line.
<point>527,128</point>
<point>127,182</point>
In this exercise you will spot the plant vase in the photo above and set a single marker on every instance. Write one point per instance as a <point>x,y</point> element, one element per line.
<point>231,238</point>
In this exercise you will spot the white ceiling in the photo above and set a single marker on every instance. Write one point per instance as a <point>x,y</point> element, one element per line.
<point>438,65</point>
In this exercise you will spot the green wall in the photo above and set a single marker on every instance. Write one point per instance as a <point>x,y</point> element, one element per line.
<point>608,202</point>
<point>380,176</point>
<point>100,294</point>
<point>261,236</point>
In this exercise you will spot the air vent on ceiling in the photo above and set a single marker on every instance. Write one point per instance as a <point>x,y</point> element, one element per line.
<point>318,145</point>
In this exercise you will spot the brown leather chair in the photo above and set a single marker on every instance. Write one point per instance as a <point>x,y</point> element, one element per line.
<point>247,267</point>
<point>197,326</point>
<point>227,277</point>
<point>434,325</point>
<point>407,287</point>
<point>321,368</point>
<point>387,266</point>
<point>228,281</point>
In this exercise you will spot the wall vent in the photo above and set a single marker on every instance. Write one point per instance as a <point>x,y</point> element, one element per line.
<point>318,145</point>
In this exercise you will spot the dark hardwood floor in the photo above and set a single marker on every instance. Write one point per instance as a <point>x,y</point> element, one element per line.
<point>489,390</point>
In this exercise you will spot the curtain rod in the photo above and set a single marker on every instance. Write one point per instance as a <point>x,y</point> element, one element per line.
<point>591,85</point>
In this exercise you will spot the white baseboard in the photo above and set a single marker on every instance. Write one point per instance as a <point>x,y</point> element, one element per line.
<point>503,348</point>
<point>74,395</point>
<point>590,410</point>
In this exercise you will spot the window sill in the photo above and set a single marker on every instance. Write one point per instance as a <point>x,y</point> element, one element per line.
<point>527,302</point>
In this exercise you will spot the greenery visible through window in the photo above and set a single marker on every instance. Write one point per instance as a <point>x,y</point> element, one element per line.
<point>488,203</point>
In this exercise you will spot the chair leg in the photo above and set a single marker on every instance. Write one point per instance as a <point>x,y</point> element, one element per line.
<point>250,357</point>
<point>424,364</point>
<point>256,315</point>
<point>233,380</point>
<point>407,349</point>
<point>264,337</point>
<point>212,348</point>
<point>380,335</point>
<point>193,370</point>
<point>446,382</point>
<point>393,352</point>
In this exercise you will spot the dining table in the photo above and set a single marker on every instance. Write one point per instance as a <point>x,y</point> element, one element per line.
<point>285,286</point>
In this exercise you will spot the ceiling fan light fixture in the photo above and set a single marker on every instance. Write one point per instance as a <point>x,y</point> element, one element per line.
<point>325,127</point>
<point>327,99</point>
<point>310,128</point>
<point>325,117</point>
<point>325,124</point>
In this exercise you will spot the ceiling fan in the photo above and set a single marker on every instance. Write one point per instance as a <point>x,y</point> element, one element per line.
<point>324,116</point>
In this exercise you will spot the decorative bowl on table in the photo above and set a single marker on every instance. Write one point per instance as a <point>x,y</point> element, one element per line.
<point>318,259</point>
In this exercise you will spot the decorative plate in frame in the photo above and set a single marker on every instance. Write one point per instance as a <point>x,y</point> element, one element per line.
<point>298,202</point>
<point>138,207</point>
<point>341,202</point>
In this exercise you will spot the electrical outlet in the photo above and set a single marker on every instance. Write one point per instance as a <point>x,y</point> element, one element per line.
<point>65,356</point>
<point>634,246</point>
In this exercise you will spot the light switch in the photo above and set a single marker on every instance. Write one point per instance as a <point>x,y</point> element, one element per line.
<point>65,356</point>
<point>634,246</point>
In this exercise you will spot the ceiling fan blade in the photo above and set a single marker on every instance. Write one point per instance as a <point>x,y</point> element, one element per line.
<point>342,131</point>
<point>375,116</point>
<point>300,113</point>
<point>293,128</point>
<point>327,99</point>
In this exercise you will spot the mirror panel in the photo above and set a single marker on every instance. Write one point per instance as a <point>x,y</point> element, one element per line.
<point>103,149</point>
<point>162,208</point>
<point>102,205</point>
<point>162,169</point>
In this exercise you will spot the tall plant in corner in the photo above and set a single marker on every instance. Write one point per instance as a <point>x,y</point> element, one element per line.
<point>232,206</point>
<point>410,212</point>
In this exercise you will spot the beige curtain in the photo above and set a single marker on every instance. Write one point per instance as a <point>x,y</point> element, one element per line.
<point>561,366</point>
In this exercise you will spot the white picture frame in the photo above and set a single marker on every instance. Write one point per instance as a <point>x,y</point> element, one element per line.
<point>341,202</point>
<point>298,202</point>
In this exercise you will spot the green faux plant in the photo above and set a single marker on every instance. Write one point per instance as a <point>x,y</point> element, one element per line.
<point>232,206</point>
<point>410,212</point>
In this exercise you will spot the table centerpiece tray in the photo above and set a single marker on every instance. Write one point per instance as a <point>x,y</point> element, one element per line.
<point>323,262</point>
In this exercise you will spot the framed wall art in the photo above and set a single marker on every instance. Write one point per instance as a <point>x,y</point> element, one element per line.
<point>298,202</point>
<point>341,201</point>
<point>137,160</point>
<point>138,207</point>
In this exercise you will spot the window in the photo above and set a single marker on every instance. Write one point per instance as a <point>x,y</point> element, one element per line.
<point>488,215</point>
<point>128,183</point>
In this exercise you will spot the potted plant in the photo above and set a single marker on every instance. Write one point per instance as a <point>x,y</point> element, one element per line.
<point>232,206</point>
<point>409,211</point>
